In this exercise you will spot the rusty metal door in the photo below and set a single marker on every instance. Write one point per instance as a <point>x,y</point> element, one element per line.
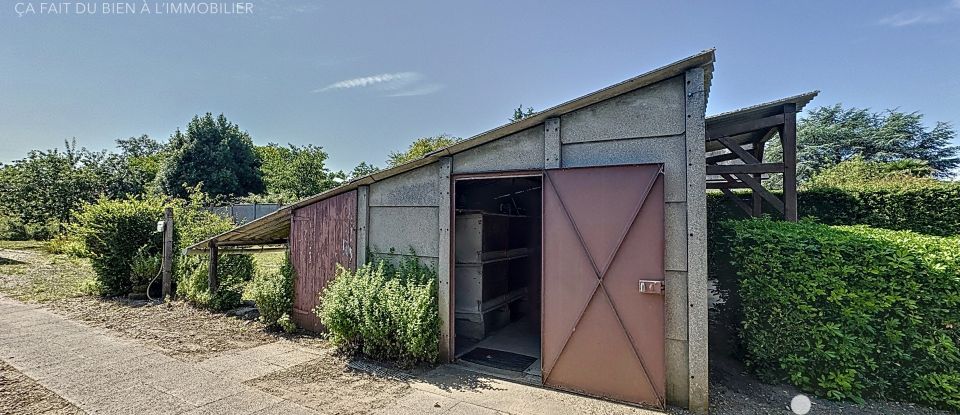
<point>322,235</point>
<point>603,305</point>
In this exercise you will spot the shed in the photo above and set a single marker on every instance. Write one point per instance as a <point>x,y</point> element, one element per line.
<point>570,245</point>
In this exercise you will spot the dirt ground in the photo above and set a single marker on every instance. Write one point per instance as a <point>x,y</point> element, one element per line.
<point>21,395</point>
<point>191,334</point>
<point>330,385</point>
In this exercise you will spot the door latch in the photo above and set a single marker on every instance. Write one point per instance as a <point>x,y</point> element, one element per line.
<point>651,287</point>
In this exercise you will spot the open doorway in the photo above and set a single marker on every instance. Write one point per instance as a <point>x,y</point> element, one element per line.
<point>497,283</point>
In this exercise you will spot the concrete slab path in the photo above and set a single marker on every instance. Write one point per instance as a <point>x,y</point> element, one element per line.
<point>103,374</point>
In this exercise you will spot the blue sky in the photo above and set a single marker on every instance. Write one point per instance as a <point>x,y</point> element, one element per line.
<point>364,78</point>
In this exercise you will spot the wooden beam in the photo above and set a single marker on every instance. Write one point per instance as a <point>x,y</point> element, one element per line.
<point>721,157</point>
<point>757,201</point>
<point>166,266</point>
<point>213,280</point>
<point>727,185</point>
<point>788,138</point>
<point>757,187</point>
<point>745,127</point>
<point>736,200</point>
<point>739,151</point>
<point>745,168</point>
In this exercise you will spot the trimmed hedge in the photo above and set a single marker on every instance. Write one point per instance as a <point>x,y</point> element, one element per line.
<point>929,209</point>
<point>848,312</point>
<point>384,311</point>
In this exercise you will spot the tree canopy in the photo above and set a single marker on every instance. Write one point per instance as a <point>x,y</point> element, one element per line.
<point>421,147</point>
<point>830,135</point>
<point>215,153</point>
<point>520,113</point>
<point>296,172</point>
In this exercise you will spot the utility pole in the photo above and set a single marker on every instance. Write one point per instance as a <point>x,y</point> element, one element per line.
<point>167,265</point>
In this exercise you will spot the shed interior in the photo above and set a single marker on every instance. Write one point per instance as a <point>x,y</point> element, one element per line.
<point>497,281</point>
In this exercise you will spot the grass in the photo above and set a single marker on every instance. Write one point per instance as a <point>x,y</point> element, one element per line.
<point>31,274</point>
<point>23,245</point>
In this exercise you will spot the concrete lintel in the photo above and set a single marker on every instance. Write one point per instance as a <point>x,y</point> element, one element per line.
<point>697,289</point>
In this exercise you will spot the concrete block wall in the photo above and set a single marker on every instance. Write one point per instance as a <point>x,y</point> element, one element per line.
<point>403,214</point>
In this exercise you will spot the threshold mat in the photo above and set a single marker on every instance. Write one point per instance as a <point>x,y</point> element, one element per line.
<point>499,359</point>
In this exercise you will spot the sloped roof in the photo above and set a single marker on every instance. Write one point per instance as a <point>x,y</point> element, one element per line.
<point>754,112</point>
<point>267,229</point>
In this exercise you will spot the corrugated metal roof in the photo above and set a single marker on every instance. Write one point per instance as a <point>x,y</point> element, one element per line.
<point>269,225</point>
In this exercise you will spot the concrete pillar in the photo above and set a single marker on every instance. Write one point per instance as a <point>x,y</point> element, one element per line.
<point>445,260</point>
<point>697,289</point>
<point>551,143</point>
<point>363,220</point>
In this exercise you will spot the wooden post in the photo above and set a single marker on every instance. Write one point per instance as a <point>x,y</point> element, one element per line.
<point>757,201</point>
<point>788,137</point>
<point>167,264</point>
<point>213,280</point>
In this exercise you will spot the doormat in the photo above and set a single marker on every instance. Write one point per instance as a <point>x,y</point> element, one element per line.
<point>499,359</point>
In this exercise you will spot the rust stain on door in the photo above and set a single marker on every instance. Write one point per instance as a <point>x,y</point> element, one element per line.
<point>603,244</point>
<point>322,235</point>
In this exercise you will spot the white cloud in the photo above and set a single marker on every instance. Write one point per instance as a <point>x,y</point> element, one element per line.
<point>922,16</point>
<point>387,81</point>
<point>911,18</point>
<point>421,90</point>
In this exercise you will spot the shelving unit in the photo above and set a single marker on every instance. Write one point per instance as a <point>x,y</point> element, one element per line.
<point>492,263</point>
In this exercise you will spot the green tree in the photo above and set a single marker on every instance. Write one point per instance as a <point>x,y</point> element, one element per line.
<point>421,147</point>
<point>830,135</point>
<point>47,185</point>
<point>214,152</point>
<point>363,169</point>
<point>130,172</point>
<point>520,113</point>
<point>297,172</point>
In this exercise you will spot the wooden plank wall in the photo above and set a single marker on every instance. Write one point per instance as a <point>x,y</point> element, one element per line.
<point>322,235</point>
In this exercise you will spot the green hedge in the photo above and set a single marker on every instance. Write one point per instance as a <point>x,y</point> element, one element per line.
<point>113,233</point>
<point>384,311</point>
<point>848,312</point>
<point>931,210</point>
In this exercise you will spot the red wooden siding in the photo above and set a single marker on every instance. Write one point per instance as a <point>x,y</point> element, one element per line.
<point>322,235</point>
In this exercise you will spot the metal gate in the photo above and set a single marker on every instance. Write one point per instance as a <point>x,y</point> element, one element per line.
<point>603,305</point>
<point>322,235</point>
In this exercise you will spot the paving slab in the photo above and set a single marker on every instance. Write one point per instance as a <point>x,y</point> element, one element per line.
<point>100,373</point>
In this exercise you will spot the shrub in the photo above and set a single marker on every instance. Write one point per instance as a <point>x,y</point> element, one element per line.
<point>67,244</point>
<point>113,232</point>
<point>384,311</point>
<point>849,312</point>
<point>273,293</point>
<point>930,208</point>
<point>194,223</point>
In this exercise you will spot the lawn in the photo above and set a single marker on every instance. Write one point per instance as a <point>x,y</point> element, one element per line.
<point>30,274</point>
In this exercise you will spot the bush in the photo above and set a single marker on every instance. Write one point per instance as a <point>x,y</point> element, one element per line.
<point>932,209</point>
<point>849,312</point>
<point>273,293</point>
<point>384,311</point>
<point>194,223</point>
<point>67,244</point>
<point>113,232</point>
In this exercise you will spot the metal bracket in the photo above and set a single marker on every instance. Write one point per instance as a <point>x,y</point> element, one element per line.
<point>651,287</point>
